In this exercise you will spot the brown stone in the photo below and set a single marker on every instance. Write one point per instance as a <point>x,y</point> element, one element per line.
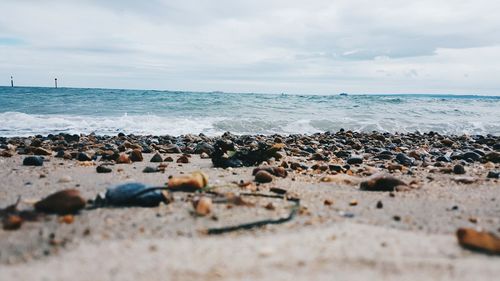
<point>123,159</point>
<point>203,206</point>
<point>62,202</point>
<point>12,222</point>
<point>478,241</point>
<point>263,177</point>
<point>183,159</point>
<point>195,181</point>
<point>136,155</point>
<point>381,183</point>
<point>42,151</point>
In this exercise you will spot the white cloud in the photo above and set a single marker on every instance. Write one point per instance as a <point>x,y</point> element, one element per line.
<point>254,46</point>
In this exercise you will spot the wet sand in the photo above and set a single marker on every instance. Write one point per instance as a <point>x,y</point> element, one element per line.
<point>412,237</point>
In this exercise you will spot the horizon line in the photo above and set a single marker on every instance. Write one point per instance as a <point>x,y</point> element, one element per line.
<point>265,93</point>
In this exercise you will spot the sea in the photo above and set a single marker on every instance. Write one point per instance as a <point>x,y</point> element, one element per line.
<point>26,111</point>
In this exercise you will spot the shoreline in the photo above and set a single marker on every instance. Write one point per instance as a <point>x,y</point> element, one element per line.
<point>340,229</point>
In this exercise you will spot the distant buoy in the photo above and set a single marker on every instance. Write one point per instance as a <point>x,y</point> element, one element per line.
<point>11,81</point>
<point>55,82</point>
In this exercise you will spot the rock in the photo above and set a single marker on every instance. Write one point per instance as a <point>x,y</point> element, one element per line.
<point>82,156</point>
<point>328,202</point>
<point>319,157</point>
<point>42,151</point>
<point>353,202</point>
<point>136,155</point>
<point>276,171</point>
<point>65,179</point>
<point>270,206</point>
<point>403,159</point>
<point>203,155</point>
<point>340,179</point>
<point>156,158</point>
<point>135,194</point>
<point>447,142</point>
<point>62,202</point>
<point>478,241</point>
<point>379,205</point>
<point>492,156</point>
<point>381,183</point>
<point>150,170</point>
<point>203,206</point>
<point>459,169</point>
<point>169,159</point>
<point>278,190</point>
<point>183,159</point>
<point>465,180</point>
<point>355,159</point>
<point>123,159</point>
<point>263,177</point>
<point>12,222</point>
<point>67,219</point>
<point>443,159</point>
<point>470,156</point>
<point>33,161</point>
<point>101,169</point>
<point>196,181</point>
<point>493,175</point>
<point>204,147</point>
<point>6,153</point>
<point>172,148</point>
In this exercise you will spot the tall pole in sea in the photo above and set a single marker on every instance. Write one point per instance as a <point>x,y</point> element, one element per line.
<point>12,81</point>
<point>55,82</point>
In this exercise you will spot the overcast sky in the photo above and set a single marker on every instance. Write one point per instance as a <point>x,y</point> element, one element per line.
<point>384,46</point>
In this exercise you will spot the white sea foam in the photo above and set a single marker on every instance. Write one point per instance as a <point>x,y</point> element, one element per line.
<point>21,124</point>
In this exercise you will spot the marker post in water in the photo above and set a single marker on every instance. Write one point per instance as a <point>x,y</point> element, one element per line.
<point>11,81</point>
<point>55,82</point>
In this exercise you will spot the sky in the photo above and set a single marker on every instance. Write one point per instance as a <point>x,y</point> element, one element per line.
<point>306,47</point>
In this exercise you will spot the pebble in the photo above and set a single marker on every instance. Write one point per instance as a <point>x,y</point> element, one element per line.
<point>403,159</point>
<point>42,151</point>
<point>493,175</point>
<point>156,158</point>
<point>471,156</point>
<point>196,181</point>
<point>101,169</point>
<point>270,206</point>
<point>492,157</point>
<point>459,169</point>
<point>62,202</point>
<point>33,161</point>
<point>328,202</point>
<point>355,159</point>
<point>263,177</point>
<point>65,179</point>
<point>136,155</point>
<point>82,156</point>
<point>381,183</point>
<point>169,159</point>
<point>203,206</point>
<point>12,222</point>
<point>478,241</point>
<point>465,180</point>
<point>123,159</point>
<point>150,170</point>
<point>6,153</point>
<point>380,205</point>
<point>183,159</point>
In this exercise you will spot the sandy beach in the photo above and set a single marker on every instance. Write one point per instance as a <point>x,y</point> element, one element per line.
<point>341,231</point>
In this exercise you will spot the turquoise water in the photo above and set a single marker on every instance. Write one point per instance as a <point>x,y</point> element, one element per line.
<point>29,110</point>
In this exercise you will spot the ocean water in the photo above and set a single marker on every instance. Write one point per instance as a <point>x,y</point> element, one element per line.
<point>30,110</point>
